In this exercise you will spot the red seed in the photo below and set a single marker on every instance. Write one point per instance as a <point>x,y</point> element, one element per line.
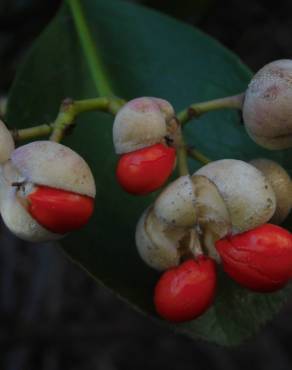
<point>58,210</point>
<point>258,259</point>
<point>186,292</point>
<point>145,170</point>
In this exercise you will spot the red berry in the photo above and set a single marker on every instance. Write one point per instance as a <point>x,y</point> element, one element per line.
<point>145,170</point>
<point>185,292</point>
<point>259,259</point>
<point>58,210</point>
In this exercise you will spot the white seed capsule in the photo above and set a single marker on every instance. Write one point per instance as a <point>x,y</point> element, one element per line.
<point>267,108</point>
<point>140,123</point>
<point>176,204</point>
<point>6,143</point>
<point>194,203</point>
<point>281,184</point>
<point>158,244</point>
<point>248,195</point>
<point>166,108</point>
<point>188,201</point>
<point>55,165</point>
<point>39,163</point>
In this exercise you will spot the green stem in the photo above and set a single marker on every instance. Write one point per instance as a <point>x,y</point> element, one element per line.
<point>197,109</point>
<point>68,112</point>
<point>32,132</point>
<point>92,55</point>
<point>182,158</point>
<point>198,156</point>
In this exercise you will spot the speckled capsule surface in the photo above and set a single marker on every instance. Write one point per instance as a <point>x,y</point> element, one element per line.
<point>157,244</point>
<point>248,195</point>
<point>140,123</point>
<point>176,204</point>
<point>267,108</point>
<point>281,184</point>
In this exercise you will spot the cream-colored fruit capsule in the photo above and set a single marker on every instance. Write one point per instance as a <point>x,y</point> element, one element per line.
<point>281,184</point>
<point>248,195</point>
<point>6,143</point>
<point>189,201</point>
<point>176,204</point>
<point>140,123</point>
<point>194,202</point>
<point>158,244</point>
<point>267,108</point>
<point>39,163</point>
<point>166,108</point>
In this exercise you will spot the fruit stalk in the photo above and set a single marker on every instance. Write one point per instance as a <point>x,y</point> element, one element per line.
<point>182,158</point>
<point>66,116</point>
<point>197,109</point>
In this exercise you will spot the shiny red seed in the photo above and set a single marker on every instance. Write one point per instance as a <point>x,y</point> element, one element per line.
<point>145,170</point>
<point>58,210</point>
<point>187,291</point>
<point>258,259</point>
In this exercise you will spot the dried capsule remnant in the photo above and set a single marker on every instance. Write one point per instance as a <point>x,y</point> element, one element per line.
<point>140,123</point>
<point>267,108</point>
<point>46,190</point>
<point>248,195</point>
<point>281,184</point>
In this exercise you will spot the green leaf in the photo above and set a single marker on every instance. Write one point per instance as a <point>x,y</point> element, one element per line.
<point>145,53</point>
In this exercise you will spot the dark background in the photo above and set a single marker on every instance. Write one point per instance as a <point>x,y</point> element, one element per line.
<point>52,315</point>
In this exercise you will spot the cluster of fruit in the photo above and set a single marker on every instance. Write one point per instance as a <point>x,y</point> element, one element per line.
<point>221,212</point>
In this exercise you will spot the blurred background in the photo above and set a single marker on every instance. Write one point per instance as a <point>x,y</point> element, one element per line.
<point>52,315</point>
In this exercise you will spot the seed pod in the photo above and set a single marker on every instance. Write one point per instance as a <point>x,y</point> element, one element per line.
<point>6,143</point>
<point>267,109</point>
<point>140,123</point>
<point>46,190</point>
<point>194,202</point>
<point>166,108</point>
<point>158,244</point>
<point>189,201</point>
<point>248,195</point>
<point>281,184</point>
<point>176,204</point>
